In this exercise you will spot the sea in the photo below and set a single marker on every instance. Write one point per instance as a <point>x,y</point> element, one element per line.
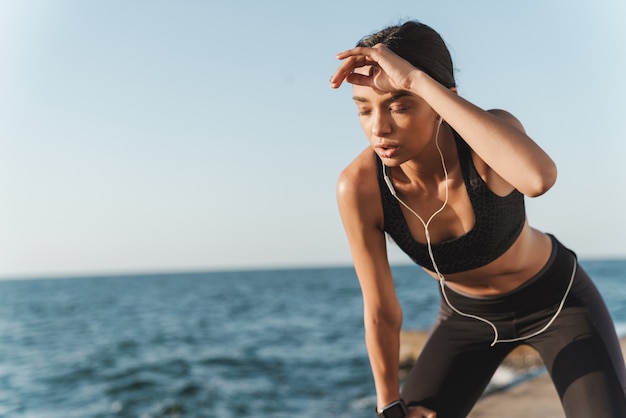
<point>254,343</point>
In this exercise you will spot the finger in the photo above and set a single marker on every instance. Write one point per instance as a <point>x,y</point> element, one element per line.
<point>360,79</point>
<point>356,61</point>
<point>360,50</point>
<point>340,75</point>
<point>421,412</point>
<point>359,60</point>
<point>347,68</point>
<point>373,54</point>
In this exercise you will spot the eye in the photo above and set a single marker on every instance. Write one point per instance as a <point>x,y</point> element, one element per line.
<point>398,109</point>
<point>364,112</point>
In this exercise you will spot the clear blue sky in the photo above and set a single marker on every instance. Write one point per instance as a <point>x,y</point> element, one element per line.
<point>140,136</point>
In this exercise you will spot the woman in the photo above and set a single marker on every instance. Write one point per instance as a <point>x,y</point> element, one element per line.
<point>446,181</point>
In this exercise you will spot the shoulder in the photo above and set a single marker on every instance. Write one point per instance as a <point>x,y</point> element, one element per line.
<point>358,193</point>
<point>359,178</point>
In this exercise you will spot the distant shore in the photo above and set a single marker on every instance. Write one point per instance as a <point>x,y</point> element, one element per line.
<point>525,390</point>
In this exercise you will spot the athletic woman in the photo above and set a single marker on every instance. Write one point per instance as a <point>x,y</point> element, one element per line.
<point>446,181</point>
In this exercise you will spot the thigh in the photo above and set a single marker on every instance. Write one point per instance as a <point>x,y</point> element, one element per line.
<point>454,367</point>
<point>583,357</point>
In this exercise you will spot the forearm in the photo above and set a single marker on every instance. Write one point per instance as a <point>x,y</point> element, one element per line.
<point>504,147</point>
<point>383,347</point>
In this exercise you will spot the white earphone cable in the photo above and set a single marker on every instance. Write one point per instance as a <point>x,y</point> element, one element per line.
<point>441,277</point>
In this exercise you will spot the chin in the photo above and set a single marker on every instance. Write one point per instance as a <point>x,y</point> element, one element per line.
<point>392,162</point>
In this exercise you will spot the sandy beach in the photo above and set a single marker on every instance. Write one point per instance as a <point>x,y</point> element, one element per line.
<point>534,396</point>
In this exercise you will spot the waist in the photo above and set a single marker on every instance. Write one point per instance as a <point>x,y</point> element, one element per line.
<point>526,257</point>
<point>545,288</point>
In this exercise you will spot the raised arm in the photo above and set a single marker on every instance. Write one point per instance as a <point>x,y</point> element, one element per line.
<point>497,138</point>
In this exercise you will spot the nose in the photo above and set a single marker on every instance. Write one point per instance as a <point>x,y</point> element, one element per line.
<point>380,124</point>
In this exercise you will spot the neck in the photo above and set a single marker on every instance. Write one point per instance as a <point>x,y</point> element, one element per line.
<point>428,167</point>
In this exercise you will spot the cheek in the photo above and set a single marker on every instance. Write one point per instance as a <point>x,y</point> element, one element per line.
<point>408,120</point>
<point>411,123</point>
<point>365,126</point>
<point>410,127</point>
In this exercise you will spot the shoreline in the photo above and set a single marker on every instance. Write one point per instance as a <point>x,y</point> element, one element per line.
<point>521,387</point>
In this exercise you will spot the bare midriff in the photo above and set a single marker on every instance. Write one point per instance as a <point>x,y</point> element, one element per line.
<point>520,263</point>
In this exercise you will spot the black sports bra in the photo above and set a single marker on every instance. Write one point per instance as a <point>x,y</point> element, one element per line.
<point>498,221</point>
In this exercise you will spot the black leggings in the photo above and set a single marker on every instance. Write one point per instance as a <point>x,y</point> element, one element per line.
<point>580,348</point>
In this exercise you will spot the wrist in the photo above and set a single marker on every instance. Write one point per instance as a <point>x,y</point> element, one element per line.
<point>396,409</point>
<point>416,80</point>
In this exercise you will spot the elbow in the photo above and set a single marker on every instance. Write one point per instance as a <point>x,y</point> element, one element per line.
<point>388,319</point>
<point>543,182</point>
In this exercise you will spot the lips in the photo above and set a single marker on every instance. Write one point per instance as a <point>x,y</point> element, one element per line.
<point>386,151</point>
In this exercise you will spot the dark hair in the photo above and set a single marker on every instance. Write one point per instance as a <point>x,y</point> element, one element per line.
<point>420,45</point>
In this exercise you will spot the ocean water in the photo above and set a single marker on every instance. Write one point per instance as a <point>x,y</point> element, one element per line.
<point>271,343</point>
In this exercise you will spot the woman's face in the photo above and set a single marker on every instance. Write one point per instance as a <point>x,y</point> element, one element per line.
<point>398,124</point>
